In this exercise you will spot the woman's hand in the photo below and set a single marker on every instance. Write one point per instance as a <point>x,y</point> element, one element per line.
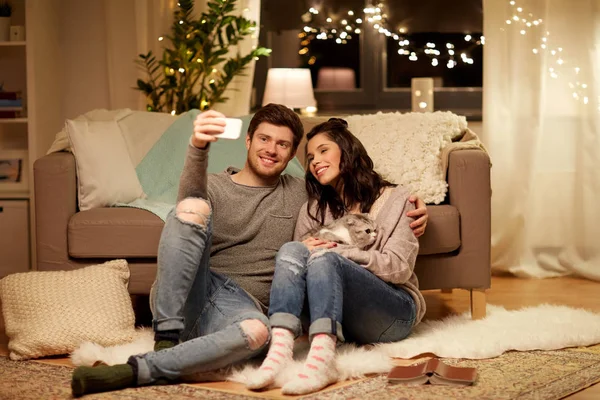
<point>420,213</point>
<point>314,243</point>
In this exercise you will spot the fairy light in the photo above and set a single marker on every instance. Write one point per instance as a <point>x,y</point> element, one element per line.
<point>339,31</point>
<point>557,59</point>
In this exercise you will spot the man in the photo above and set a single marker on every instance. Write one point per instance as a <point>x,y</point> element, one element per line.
<point>216,256</point>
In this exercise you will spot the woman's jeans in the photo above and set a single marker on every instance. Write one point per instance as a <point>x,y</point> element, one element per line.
<point>206,307</point>
<point>339,293</point>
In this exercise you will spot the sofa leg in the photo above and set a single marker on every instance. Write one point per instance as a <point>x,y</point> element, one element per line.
<point>477,303</point>
<point>447,291</point>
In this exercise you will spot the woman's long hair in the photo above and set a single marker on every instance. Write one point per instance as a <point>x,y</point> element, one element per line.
<point>361,184</point>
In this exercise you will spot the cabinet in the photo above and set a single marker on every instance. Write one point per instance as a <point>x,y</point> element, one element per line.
<point>14,237</point>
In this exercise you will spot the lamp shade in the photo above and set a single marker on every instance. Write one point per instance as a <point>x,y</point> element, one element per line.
<point>333,78</point>
<point>291,87</point>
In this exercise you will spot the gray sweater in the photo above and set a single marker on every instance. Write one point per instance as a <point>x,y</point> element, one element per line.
<point>250,223</point>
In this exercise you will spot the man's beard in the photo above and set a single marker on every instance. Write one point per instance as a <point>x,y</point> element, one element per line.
<point>259,170</point>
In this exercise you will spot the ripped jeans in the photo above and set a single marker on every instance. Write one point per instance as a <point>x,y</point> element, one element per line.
<point>207,308</point>
<point>343,298</point>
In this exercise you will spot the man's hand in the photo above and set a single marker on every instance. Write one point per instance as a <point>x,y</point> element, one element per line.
<point>314,243</point>
<point>206,126</point>
<point>420,214</point>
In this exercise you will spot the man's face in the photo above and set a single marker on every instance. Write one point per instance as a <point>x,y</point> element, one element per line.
<point>270,150</point>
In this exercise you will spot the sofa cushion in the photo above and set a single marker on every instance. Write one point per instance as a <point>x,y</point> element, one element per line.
<point>135,233</point>
<point>105,173</point>
<point>114,233</point>
<point>442,234</point>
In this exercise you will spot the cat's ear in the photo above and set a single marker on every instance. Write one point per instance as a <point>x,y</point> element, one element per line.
<point>350,222</point>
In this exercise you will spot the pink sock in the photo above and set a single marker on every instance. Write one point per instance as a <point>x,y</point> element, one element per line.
<point>319,368</point>
<point>280,353</point>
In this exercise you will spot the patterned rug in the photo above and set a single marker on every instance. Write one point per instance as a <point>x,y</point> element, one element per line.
<point>514,375</point>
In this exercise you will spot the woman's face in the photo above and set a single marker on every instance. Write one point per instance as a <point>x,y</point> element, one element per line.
<point>324,156</point>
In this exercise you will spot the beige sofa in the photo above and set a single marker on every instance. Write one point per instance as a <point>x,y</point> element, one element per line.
<point>454,252</point>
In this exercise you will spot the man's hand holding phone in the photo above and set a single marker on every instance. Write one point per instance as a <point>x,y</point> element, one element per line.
<point>211,125</point>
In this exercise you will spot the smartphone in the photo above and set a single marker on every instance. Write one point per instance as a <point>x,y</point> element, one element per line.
<point>233,129</point>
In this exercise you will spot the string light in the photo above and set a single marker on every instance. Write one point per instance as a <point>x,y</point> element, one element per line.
<point>558,60</point>
<point>375,15</point>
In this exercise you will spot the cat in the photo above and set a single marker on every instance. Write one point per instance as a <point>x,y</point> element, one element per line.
<point>356,230</point>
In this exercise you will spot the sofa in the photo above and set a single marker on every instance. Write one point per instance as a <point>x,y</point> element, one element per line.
<point>454,251</point>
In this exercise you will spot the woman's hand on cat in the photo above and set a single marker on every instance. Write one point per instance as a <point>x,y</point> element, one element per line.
<point>316,243</point>
<point>420,214</point>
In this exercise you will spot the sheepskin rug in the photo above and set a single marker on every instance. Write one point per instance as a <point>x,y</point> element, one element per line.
<point>544,327</point>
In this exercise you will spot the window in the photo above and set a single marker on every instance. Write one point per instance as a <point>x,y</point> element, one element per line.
<point>363,55</point>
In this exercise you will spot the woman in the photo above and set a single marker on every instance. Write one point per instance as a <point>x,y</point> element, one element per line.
<point>364,296</point>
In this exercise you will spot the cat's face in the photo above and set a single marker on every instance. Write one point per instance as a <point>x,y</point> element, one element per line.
<point>362,229</point>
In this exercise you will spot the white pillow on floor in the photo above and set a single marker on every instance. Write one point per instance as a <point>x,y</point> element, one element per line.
<point>52,312</point>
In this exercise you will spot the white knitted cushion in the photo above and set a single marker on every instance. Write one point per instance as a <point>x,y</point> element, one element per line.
<point>49,313</point>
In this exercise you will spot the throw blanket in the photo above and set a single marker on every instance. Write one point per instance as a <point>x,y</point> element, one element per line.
<point>412,149</point>
<point>160,169</point>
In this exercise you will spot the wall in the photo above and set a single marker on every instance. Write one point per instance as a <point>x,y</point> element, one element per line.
<point>83,45</point>
<point>44,48</point>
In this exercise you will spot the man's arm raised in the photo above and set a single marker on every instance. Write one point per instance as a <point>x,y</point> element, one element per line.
<point>193,180</point>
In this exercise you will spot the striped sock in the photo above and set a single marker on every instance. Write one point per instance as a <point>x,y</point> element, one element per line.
<point>280,353</point>
<point>319,368</point>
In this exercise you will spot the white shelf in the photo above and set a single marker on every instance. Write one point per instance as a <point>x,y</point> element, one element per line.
<point>15,43</point>
<point>13,120</point>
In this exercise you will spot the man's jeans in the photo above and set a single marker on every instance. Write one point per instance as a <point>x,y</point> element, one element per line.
<point>206,307</point>
<point>340,293</point>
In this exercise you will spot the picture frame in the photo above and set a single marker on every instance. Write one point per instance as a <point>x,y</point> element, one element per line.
<point>14,171</point>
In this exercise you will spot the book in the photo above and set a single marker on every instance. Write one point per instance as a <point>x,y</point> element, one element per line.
<point>10,114</point>
<point>11,103</point>
<point>10,95</point>
<point>433,371</point>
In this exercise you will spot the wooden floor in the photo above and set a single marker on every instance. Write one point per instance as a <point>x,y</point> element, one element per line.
<point>512,293</point>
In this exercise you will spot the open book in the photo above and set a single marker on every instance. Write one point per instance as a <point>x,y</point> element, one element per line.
<point>433,371</point>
